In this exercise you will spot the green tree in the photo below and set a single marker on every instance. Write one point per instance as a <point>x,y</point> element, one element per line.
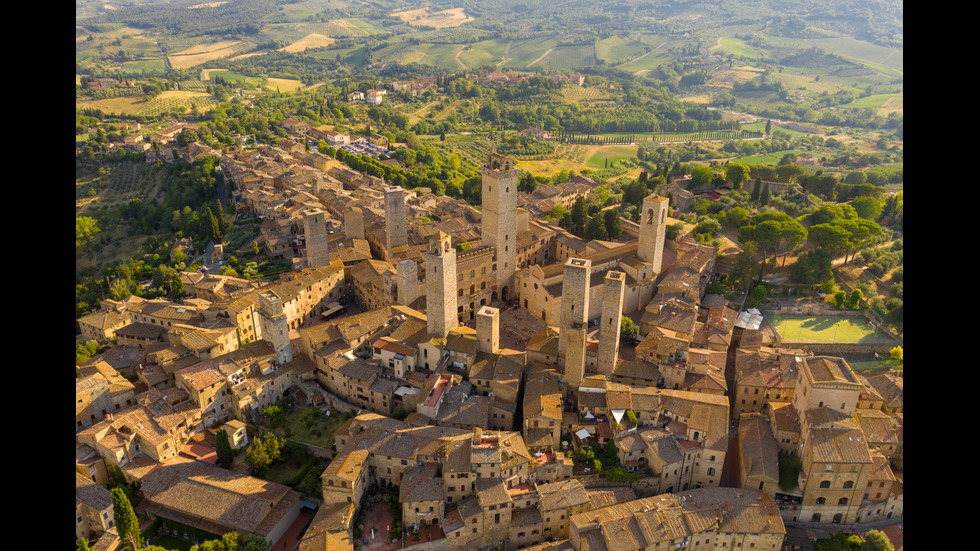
<point>867,207</point>
<point>127,524</point>
<point>255,542</point>
<point>876,540</point>
<point>225,454</point>
<point>840,297</point>
<point>85,230</point>
<point>596,228</point>
<point>580,213</point>
<point>736,173</point>
<point>766,196</point>
<point>628,331</point>
<point>700,176</point>
<point>263,452</point>
<point>757,190</point>
<point>759,295</point>
<point>854,301</point>
<point>613,223</point>
<point>897,353</point>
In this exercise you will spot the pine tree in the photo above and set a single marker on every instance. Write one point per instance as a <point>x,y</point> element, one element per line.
<point>596,228</point>
<point>126,522</point>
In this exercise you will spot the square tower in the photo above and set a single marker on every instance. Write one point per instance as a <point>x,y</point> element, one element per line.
<point>274,327</point>
<point>408,281</point>
<point>440,285</point>
<point>610,323</point>
<point>653,228</point>
<point>354,223</point>
<point>315,233</point>
<point>396,219</point>
<point>488,329</point>
<point>574,299</point>
<point>499,224</point>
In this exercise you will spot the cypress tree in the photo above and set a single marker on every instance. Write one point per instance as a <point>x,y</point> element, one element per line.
<point>126,522</point>
<point>757,190</point>
<point>764,199</point>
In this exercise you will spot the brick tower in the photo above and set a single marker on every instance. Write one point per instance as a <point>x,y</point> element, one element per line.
<point>574,318</point>
<point>408,281</point>
<point>396,219</point>
<point>354,223</point>
<point>653,227</point>
<point>488,329</point>
<point>440,285</point>
<point>274,327</point>
<point>499,224</point>
<point>613,291</point>
<point>315,231</point>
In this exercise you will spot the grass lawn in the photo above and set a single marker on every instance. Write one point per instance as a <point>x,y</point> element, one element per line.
<point>827,329</point>
<point>877,365</point>
<point>310,426</point>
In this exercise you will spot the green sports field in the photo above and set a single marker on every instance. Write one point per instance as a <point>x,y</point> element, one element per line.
<point>827,329</point>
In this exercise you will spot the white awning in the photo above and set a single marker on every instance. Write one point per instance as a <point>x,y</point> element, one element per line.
<point>582,434</point>
<point>588,415</point>
<point>618,414</point>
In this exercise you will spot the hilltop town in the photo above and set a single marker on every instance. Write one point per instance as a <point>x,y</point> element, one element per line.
<point>473,369</point>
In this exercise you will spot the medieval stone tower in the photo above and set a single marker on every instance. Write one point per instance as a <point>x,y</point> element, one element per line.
<point>396,219</point>
<point>407,281</point>
<point>574,319</point>
<point>499,224</point>
<point>653,227</point>
<point>315,231</point>
<point>613,291</point>
<point>488,329</point>
<point>274,327</point>
<point>440,285</point>
<point>354,223</point>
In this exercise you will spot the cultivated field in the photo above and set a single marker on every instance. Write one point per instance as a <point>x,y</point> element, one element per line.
<point>308,42</point>
<point>827,329</point>
<point>204,52</point>
<point>439,20</point>
<point>282,84</point>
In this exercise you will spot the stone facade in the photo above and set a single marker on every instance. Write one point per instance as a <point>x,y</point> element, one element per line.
<point>610,321</point>
<point>440,273</point>
<point>315,231</point>
<point>499,225</point>
<point>653,224</point>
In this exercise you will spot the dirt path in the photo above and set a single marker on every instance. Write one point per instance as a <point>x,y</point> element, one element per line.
<point>540,58</point>
<point>506,51</point>
<point>458,60</point>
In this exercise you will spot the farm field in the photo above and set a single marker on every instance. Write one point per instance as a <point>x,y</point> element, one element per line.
<point>611,153</point>
<point>886,60</point>
<point>143,65</point>
<point>441,19</point>
<point>619,49</point>
<point>203,53</point>
<point>283,85</point>
<point>733,46</point>
<point>826,329</point>
<point>310,41</point>
<point>566,58</point>
<point>486,52</point>
<point>170,100</point>
<point>522,53</point>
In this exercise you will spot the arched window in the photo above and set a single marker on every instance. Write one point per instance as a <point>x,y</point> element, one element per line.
<point>848,484</point>
<point>815,517</point>
<point>838,518</point>
<point>842,501</point>
<point>821,500</point>
<point>825,484</point>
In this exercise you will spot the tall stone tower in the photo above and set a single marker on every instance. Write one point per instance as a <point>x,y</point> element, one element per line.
<point>396,219</point>
<point>574,317</point>
<point>653,227</point>
<point>315,231</point>
<point>499,224</point>
<point>354,223</point>
<point>274,327</point>
<point>408,281</point>
<point>488,329</point>
<point>613,291</point>
<point>440,285</point>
